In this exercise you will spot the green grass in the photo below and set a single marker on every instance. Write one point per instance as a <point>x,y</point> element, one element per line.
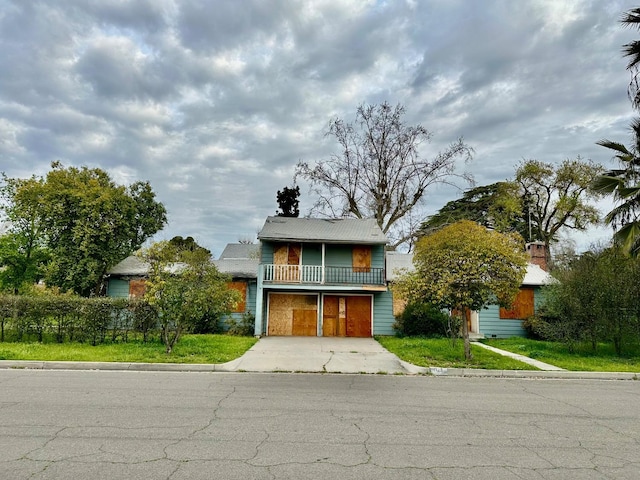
<point>190,349</point>
<point>438,352</point>
<point>584,359</point>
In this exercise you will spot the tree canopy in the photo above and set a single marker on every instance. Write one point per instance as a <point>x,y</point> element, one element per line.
<point>380,172</point>
<point>464,266</point>
<point>498,206</point>
<point>184,286</point>
<point>556,197</point>
<point>86,222</point>
<point>288,202</point>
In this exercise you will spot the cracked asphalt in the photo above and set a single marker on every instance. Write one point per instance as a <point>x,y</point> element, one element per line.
<point>176,425</point>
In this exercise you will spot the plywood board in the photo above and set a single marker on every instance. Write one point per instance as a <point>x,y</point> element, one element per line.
<point>282,308</point>
<point>361,257</point>
<point>240,287</point>
<point>358,315</point>
<point>137,288</point>
<point>305,323</point>
<point>523,306</point>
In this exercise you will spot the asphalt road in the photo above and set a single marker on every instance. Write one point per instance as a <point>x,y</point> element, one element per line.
<point>168,425</point>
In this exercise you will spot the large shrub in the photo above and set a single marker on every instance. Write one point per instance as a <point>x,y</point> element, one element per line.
<point>421,319</point>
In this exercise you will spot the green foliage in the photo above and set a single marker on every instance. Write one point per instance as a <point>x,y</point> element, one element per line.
<point>556,197</point>
<point>184,286</point>
<point>244,327</point>
<point>597,299</point>
<point>288,202</point>
<point>83,219</point>
<point>465,266</point>
<point>421,319</point>
<point>498,206</point>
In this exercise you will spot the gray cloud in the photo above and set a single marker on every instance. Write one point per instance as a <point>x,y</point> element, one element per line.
<point>215,102</point>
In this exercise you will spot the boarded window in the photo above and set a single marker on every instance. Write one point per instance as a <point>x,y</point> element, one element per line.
<point>137,288</point>
<point>361,259</point>
<point>522,307</point>
<point>242,288</point>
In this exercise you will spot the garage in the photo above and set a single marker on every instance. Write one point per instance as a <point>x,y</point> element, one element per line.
<point>346,316</point>
<point>293,314</point>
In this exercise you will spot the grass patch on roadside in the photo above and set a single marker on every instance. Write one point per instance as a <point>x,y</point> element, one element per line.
<point>190,349</point>
<point>584,359</point>
<point>438,352</point>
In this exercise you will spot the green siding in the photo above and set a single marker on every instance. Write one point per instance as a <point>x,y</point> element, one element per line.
<point>311,254</point>
<point>383,318</point>
<point>250,304</point>
<point>492,326</point>
<point>118,288</point>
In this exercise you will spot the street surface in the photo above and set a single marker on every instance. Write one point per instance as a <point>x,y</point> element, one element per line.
<point>168,425</point>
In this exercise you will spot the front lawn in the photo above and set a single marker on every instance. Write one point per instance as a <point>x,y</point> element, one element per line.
<point>190,349</point>
<point>584,359</point>
<point>438,352</point>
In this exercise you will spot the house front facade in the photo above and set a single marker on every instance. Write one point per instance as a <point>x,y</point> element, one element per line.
<point>322,277</point>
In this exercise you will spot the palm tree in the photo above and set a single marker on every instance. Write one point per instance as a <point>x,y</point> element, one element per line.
<point>624,185</point>
<point>632,50</point>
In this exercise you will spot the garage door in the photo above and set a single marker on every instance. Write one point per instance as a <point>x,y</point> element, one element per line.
<point>292,314</point>
<point>346,316</point>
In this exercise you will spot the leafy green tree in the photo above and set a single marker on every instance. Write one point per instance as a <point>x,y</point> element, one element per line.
<point>184,286</point>
<point>556,198</point>
<point>597,299</point>
<point>86,222</point>
<point>23,252</point>
<point>465,266</point>
<point>379,172</point>
<point>21,262</point>
<point>498,206</point>
<point>288,202</point>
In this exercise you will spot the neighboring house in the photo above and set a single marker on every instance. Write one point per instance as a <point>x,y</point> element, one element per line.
<point>322,277</point>
<point>127,278</point>
<point>492,321</point>
<point>241,262</point>
<point>498,322</point>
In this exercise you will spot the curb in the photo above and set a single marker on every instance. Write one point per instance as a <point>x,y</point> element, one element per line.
<point>232,366</point>
<point>119,366</point>
<point>547,374</point>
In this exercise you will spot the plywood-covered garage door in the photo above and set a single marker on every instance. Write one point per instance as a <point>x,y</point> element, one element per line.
<point>346,316</point>
<point>292,314</point>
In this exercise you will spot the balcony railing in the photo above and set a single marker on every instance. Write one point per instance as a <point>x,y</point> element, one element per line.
<point>330,275</point>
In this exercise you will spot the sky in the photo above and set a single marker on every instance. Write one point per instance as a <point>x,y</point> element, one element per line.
<point>215,102</point>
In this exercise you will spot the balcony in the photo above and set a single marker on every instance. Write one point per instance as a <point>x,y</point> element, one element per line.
<point>316,274</point>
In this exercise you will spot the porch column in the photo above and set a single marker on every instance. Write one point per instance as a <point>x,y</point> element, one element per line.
<point>257,331</point>
<point>323,252</point>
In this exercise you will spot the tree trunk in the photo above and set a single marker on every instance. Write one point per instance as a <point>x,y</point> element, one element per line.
<point>465,335</point>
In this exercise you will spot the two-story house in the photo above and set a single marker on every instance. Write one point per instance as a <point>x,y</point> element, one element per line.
<point>322,277</point>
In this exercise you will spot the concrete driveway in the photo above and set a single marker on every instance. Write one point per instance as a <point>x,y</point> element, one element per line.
<point>320,354</point>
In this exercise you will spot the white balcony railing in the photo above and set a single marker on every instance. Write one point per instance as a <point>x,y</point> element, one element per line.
<point>315,274</point>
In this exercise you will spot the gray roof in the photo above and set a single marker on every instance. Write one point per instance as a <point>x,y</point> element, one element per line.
<point>397,262</point>
<point>131,265</point>
<point>329,230</point>
<point>537,276</point>
<point>238,267</point>
<point>240,250</point>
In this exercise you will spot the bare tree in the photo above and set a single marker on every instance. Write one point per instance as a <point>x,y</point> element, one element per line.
<point>379,172</point>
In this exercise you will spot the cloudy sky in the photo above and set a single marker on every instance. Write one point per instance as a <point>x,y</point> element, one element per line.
<point>214,102</point>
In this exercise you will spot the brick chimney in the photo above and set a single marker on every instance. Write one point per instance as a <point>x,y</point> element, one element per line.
<point>537,254</point>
